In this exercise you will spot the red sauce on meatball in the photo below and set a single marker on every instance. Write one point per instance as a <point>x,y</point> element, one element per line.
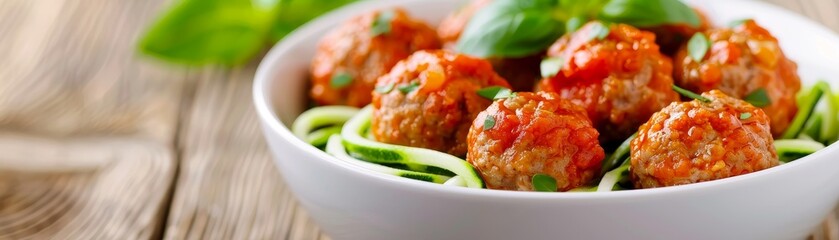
<point>437,113</point>
<point>741,61</point>
<point>620,80</point>
<point>696,141</point>
<point>353,50</point>
<point>535,133</point>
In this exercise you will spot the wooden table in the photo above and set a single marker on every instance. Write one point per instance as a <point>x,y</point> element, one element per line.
<point>97,142</point>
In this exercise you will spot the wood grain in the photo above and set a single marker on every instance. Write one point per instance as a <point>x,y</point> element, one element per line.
<point>86,126</point>
<point>97,142</point>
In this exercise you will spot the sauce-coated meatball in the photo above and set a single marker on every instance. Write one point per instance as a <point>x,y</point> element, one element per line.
<point>351,57</point>
<point>698,141</point>
<point>740,62</point>
<point>521,72</point>
<point>620,80</point>
<point>430,99</point>
<point>534,133</point>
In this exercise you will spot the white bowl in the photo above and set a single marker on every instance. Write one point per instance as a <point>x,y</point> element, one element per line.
<point>785,202</point>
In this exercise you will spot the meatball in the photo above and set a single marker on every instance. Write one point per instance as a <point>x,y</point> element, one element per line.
<point>534,133</point>
<point>430,99</point>
<point>620,79</point>
<point>671,37</point>
<point>350,58</point>
<point>698,141</point>
<point>740,62</point>
<point>521,72</point>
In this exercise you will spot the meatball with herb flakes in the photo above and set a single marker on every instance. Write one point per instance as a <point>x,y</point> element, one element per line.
<point>430,99</point>
<point>521,72</point>
<point>534,133</point>
<point>701,141</point>
<point>615,72</point>
<point>350,58</point>
<point>745,62</point>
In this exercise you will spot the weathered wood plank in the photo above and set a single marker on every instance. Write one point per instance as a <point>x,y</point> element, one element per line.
<point>120,194</point>
<point>228,187</point>
<point>86,127</point>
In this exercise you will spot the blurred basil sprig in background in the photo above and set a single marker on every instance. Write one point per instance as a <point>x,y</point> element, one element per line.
<point>516,28</point>
<point>226,32</point>
<point>232,32</point>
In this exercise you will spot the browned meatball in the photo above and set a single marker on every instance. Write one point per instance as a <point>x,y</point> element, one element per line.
<point>521,72</point>
<point>351,57</point>
<point>430,99</point>
<point>740,62</point>
<point>534,133</point>
<point>620,80</point>
<point>698,141</point>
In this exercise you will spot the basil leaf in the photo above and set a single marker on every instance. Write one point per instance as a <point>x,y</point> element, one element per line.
<point>649,13</point>
<point>689,94</point>
<point>495,92</point>
<point>758,98</point>
<point>551,66</point>
<point>698,46</point>
<point>385,89</point>
<point>543,183</point>
<point>489,122</point>
<point>408,88</point>
<point>744,116</point>
<point>340,80</point>
<point>574,23</point>
<point>199,32</point>
<point>381,25</point>
<point>737,23</point>
<point>511,28</point>
<point>599,31</point>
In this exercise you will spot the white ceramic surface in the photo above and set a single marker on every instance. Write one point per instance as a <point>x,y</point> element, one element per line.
<point>784,202</point>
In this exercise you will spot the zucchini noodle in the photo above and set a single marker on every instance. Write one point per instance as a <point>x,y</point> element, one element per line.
<point>622,152</point>
<point>611,179</point>
<point>335,147</point>
<point>792,149</point>
<point>807,105</point>
<point>365,149</point>
<point>320,117</point>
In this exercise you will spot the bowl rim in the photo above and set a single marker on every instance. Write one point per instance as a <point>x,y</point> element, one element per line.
<point>270,122</point>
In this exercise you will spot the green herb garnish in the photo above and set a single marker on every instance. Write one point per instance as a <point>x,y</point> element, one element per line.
<point>737,23</point>
<point>744,116</point>
<point>551,66</point>
<point>698,46</point>
<point>599,31</point>
<point>489,122</point>
<point>575,23</point>
<point>340,80</point>
<point>689,94</point>
<point>384,89</point>
<point>543,183</point>
<point>381,25</point>
<point>758,98</point>
<point>408,88</point>
<point>495,92</point>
